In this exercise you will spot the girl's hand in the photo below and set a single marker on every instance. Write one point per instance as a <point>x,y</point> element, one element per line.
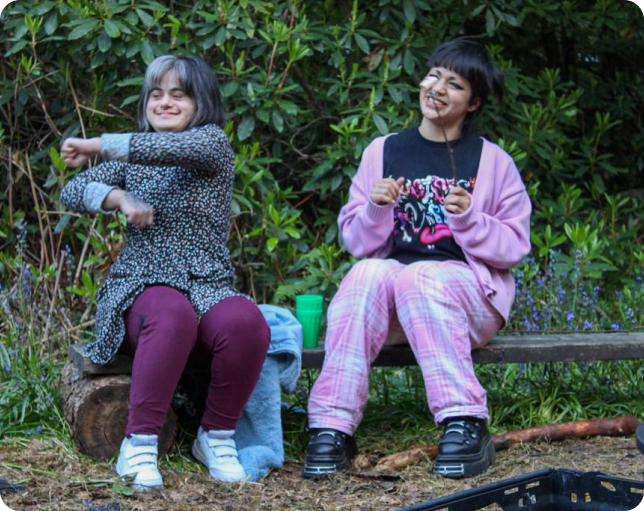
<point>138,213</point>
<point>386,191</point>
<point>76,152</point>
<point>458,200</point>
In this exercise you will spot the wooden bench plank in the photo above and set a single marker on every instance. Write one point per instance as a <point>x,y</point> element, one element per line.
<point>580,347</point>
<point>122,364</point>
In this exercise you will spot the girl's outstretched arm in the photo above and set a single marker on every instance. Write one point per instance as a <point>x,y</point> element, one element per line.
<point>206,148</point>
<point>76,152</point>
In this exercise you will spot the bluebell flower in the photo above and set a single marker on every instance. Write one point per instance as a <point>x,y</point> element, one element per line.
<point>27,278</point>
<point>68,257</point>
<point>552,257</point>
<point>578,259</point>
<point>7,309</point>
<point>615,326</point>
<point>587,325</point>
<point>22,233</point>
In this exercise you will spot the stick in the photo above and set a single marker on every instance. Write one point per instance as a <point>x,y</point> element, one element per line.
<point>616,426</point>
<point>79,269</point>
<point>44,255</point>
<point>449,146</point>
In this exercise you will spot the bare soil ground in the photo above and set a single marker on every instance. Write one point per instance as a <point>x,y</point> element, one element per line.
<point>58,478</point>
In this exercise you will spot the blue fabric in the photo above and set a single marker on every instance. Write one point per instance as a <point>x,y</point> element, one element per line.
<point>258,434</point>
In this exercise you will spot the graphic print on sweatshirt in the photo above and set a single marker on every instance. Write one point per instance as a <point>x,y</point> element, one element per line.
<point>420,218</point>
<point>421,228</point>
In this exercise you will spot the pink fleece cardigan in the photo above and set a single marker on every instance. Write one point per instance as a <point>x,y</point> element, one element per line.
<point>494,232</point>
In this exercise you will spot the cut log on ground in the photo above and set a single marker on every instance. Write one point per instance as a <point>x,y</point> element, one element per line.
<point>617,426</point>
<point>97,408</point>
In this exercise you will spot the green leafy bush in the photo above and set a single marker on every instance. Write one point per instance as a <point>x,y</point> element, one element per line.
<point>308,85</point>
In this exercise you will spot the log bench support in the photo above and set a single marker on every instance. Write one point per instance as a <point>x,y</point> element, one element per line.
<point>96,397</point>
<point>96,408</point>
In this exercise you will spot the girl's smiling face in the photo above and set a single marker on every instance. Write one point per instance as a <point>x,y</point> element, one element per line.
<point>448,93</point>
<point>169,108</point>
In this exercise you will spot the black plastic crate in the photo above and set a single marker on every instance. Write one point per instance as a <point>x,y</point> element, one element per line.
<point>546,490</point>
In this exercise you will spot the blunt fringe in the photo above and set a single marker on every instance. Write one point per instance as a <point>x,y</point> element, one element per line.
<point>470,60</point>
<point>195,78</point>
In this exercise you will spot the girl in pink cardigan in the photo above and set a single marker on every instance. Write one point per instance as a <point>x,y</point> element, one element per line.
<point>438,234</point>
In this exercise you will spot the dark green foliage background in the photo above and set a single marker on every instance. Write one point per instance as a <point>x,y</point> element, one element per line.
<point>308,85</point>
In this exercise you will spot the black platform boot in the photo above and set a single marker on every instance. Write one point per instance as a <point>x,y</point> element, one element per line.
<point>329,451</point>
<point>465,448</point>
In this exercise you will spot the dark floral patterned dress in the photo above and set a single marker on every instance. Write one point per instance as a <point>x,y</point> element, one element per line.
<point>187,177</point>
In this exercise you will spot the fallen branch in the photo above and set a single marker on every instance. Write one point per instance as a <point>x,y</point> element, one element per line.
<point>617,426</point>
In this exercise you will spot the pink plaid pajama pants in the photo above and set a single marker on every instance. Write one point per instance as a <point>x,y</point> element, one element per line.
<point>444,314</point>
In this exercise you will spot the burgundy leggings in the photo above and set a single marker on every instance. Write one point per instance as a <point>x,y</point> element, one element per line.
<point>161,332</point>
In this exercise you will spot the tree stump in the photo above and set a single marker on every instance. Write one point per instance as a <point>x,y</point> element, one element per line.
<point>96,408</point>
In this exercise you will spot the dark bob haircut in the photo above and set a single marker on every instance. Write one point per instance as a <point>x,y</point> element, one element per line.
<point>470,60</point>
<point>195,78</point>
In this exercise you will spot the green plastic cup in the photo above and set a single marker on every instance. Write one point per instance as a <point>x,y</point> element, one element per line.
<point>308,311</point>
<point>310,303</point>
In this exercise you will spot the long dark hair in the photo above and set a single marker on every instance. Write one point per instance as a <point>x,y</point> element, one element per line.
<point>196,79</point>
<point>470,60</point>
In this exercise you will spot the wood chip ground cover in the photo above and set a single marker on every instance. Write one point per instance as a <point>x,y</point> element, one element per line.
<point>56,478</point>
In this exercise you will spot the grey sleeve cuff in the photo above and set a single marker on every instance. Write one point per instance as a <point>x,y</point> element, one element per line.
<point>94,196</point>
<point>115,146</point>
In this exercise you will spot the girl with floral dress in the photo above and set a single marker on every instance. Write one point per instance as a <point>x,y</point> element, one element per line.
<point>170,292</point>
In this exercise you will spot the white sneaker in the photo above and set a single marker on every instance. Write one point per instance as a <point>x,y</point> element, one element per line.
<point>138,457</point>
<point>217,450</point>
